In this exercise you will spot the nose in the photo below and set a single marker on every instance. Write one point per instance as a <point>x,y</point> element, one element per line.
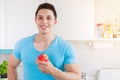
<point>44,20</point>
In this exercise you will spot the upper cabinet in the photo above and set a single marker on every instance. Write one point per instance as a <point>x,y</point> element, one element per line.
<point>19,20</point>
<point>75,19</point>
<point>2,24</point>
<point>107,17</point>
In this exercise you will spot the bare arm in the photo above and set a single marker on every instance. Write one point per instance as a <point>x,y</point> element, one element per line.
<point>72,71</point>
<point>12,65</point>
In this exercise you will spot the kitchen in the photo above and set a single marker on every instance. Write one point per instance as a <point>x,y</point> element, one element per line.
<point>94,52</point>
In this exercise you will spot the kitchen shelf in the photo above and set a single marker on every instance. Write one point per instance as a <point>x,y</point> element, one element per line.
<point>107,39</point>
<point>105,43</point>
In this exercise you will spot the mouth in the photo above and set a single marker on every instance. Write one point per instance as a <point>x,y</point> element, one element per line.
<point>43,27</point>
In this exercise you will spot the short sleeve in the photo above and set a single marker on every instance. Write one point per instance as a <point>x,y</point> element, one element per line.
<point>16,51</point>
<point>70,55</point>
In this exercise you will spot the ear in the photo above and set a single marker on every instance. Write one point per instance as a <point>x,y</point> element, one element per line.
<point>55,21</point>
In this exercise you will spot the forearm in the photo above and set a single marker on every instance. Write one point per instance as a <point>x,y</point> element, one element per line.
<point>60,75</point>
<point>12,73</point>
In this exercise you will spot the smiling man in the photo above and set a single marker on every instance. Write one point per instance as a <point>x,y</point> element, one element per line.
<point>62,61</point>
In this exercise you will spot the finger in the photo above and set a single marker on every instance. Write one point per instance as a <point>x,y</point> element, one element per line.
<point>37,61</point>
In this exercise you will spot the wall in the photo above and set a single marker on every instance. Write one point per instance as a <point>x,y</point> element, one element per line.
<point>90,59</point>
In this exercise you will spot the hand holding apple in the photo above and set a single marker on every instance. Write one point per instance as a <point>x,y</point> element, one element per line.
<point>44,64</point>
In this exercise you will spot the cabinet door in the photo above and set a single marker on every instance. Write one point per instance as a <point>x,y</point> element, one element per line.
<point>2,25</point>
<point>20,16</point>
<point>19,20</point>
<point>75,19</point>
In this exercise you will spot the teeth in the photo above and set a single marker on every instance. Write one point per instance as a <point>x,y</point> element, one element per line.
<point>43,27</point>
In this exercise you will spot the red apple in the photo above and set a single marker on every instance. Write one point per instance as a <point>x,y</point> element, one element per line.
<point>43,57</point>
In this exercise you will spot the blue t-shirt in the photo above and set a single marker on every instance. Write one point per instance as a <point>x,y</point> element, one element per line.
<point>60,53</point>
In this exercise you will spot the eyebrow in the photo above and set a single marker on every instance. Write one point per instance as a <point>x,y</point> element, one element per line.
<point>41,15</point>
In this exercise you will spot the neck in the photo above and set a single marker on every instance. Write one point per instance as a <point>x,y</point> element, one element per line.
<point>44,37</point>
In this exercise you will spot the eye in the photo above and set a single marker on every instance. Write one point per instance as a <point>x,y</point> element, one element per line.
<point>40,17</point>
<point>49,18</point>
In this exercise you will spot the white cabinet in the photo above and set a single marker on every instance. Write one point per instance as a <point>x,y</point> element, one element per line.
<point>19,20</point>
<point>75,19</point>
<point>2,24</point>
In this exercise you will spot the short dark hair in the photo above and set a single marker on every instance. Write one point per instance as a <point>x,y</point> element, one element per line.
<point>46,6</point>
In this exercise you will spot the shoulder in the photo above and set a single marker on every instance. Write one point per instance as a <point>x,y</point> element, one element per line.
<point>25,40</point>
<point>28,38</point>
<point>63,43</point>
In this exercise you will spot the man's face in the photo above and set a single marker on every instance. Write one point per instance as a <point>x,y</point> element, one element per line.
<point>45,20</point>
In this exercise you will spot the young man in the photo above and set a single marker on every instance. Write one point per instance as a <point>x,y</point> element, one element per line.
<point>62,62</point>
